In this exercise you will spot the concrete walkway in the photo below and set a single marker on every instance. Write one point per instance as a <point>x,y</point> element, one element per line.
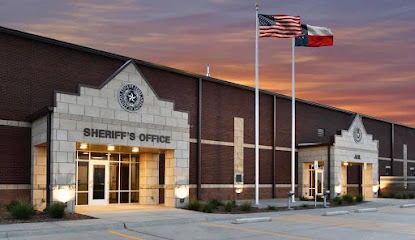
<point>121,217</point>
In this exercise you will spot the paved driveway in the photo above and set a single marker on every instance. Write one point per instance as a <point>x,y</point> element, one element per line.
<point>389,222</point>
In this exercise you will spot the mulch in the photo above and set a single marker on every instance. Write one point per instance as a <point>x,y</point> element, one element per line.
<point>6,218</point>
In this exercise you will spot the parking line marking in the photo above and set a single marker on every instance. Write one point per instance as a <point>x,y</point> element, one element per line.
<point>124,235</point>
<point>257,231</point>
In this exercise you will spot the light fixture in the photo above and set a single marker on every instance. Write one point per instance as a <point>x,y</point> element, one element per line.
<point>239,190</point>
<point>338,189</point>
<point>83,146</point>
<point>135,149</point>
<point>182,192</point>
<point>345,164</point>
<point>85,153</point>
<point>111,148</point>
<point>375,188</point>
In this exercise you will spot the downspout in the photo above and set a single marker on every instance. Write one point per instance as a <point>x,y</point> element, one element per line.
<point>199,143</point>
<point>274,142</point>
<point>328,168</point>
<point>49,154</point>
<point>392,148</point>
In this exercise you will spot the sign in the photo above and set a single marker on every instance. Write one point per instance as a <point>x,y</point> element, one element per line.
<point>101,133</point>
<point>130,97</point>
<point>356,156</point>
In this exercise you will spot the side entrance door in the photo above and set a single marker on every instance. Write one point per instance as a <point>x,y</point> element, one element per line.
<point>98,182</point>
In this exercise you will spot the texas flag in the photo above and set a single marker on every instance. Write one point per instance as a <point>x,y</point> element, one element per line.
<point>314,36</point>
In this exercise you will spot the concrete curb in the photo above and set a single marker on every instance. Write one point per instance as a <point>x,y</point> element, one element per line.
<point>335,213</point>
<point>251,220</point>
<point>407,205</point>
<point>364,210</point>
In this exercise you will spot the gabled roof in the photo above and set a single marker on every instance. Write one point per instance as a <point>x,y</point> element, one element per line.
<point>175,70</point>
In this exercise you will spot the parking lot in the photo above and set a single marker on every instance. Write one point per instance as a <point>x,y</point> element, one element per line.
<point>388,222</point>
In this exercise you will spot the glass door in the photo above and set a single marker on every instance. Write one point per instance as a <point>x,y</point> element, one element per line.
<point>316,181</point>
<point>98,182</point>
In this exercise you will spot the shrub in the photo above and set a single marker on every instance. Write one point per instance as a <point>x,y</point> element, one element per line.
<point>304,206</point>
<point>338,201</point>
<point>208,208</point>
<point>22,210</point>
<point>399,196</point>
<point>320,198</point>
<point>404,196</point>
<point>348,198</point>
<point>229,206</point>
<point>233,203</point>
<point>56,210</point>
<point>392,195</point>
<point>302,198</point>
<point>271,208</point>
<point>411,195</point>
<point>359,198</point>
<point>246,206</point>
<point>11,205</point>
<point>215,203</point>
<point>194,205</point>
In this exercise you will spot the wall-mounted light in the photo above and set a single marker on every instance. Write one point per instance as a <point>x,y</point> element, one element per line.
<point>182,192</point>
<point>63,194</point>
<point>239,190</point>
<point>111,148</point>
<point>83,146</point>
<point>345,164</point>
<point>134,149</point>
<point>338,189</point>
<point>375,188</point>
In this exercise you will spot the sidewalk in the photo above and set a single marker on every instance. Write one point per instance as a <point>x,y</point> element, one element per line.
<point>118,218</point>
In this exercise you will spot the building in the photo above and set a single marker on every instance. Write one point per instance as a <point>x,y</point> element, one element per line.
<point>88,127</point>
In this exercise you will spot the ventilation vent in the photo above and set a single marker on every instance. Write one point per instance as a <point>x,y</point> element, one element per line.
<point>321,132</point>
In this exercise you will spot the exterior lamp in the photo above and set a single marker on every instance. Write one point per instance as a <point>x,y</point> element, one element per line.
<point>83,146</point>
<point>182,192</point>
<point>64,194</point>
<point>345,164</point>
<point>239,190</point>
<point>111,148</point>
<point>134,149</point>
<point>375,189</point>
<point>338,189</point>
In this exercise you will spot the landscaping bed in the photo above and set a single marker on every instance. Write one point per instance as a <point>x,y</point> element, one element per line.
<point>6,218</point>
<point>231,207</point>
<point>22,211</point>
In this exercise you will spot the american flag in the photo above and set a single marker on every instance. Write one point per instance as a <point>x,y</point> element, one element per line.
<point>279,26</point>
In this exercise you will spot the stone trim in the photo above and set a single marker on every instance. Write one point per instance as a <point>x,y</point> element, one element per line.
<point>244,185</point>
<point>84,118</point>
<point>12,123</point>
<point>355,149</point>
<point>246,145</point>
<point>15,186</point>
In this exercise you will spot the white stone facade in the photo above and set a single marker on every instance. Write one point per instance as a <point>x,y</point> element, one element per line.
<point>100,109</point>
<point>345,150</point>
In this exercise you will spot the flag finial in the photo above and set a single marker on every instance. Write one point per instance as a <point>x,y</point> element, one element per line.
<point>256,4</point>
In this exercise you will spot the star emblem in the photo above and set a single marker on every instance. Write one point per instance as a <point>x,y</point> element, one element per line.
<point>131,97</point>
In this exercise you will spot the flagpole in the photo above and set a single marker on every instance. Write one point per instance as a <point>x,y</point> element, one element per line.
<point>256,112</point>
<point>293,123</point>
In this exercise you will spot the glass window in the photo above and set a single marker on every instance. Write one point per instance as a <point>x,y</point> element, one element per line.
<point>82,199</point>
<point>83,155</point>
<point>83,176</point>
<point>125,157</point>
<point>114,156</point>
<point>134,197</point>
<point>114,197</point>
<point>125,176</point>
<point>114,176</point>
<point>135,176</point>
<point>99,156</point>
<point>135,158</point>
<point>124,197</point>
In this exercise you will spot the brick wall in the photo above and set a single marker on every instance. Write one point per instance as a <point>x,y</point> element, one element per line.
<point>6,196</point>
<point>217,164</point>
<point>14,155</point>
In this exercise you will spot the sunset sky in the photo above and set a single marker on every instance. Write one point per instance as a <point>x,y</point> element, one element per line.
<point>370,69</point>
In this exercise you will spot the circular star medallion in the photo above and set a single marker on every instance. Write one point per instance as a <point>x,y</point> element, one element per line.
<point>357,135</point>
<point>130,97</point>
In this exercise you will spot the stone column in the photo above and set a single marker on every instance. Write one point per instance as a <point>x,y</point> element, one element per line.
<point>39,178</point>
<point>176,187</point>
<point>238,155</point>
<point>343,179</point>
<point>149,178</point>
<point>405,165</point>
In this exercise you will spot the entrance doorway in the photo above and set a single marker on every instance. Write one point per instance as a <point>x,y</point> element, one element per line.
<point>316,180</point>
<point>98,182</point>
